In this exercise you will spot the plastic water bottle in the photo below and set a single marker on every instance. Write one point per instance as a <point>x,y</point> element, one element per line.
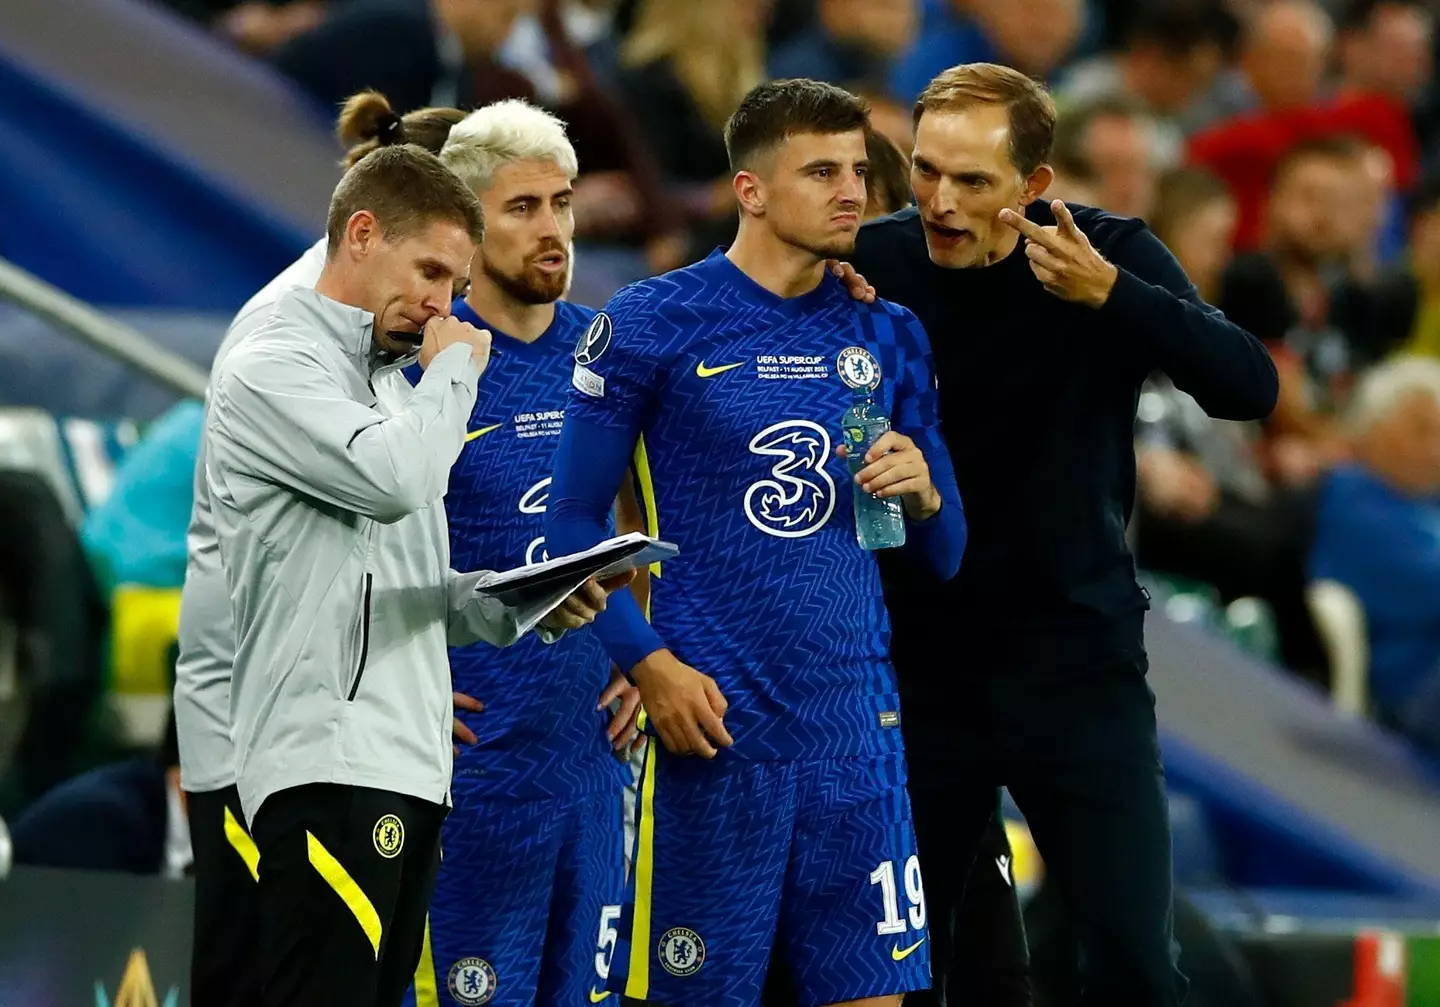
<point>879,521</point>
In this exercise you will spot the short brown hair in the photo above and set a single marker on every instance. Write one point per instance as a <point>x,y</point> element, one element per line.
<point>1067,150</point>
<point>367,122</point>
<point>1181,192</point>
<point>406,188</point>
<point>1032,112</point>
<point>782,108</point>
<point>1329,147</point>
<point>887,183</point>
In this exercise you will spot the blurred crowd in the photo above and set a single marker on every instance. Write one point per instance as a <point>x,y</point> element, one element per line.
<point>1287,151</point>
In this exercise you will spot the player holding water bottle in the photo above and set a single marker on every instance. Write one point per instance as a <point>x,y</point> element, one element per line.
<point>766,654</point>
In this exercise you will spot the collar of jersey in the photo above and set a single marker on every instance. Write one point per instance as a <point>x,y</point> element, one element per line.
<point>726,270</point>
<point>501,341</point>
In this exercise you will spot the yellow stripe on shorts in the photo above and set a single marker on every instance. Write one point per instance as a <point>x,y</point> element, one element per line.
<point>236,835</point>
<point>427,993</point>
<point>338,878</point>
<point>637,981</point>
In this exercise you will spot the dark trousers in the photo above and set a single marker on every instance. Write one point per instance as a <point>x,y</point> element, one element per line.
<point>978,954</point>
<point>346,875</point>
<point>224,963</point>
<point>1078,752</point>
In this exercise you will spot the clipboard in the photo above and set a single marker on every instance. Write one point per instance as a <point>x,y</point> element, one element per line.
<point>536,590</point>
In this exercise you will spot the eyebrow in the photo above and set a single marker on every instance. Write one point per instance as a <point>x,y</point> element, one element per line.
<point>925,164</point>
<point>533,197</point>
<point>830,162</point>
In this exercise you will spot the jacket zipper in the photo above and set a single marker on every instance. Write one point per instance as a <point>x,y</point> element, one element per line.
<point>364,638</point>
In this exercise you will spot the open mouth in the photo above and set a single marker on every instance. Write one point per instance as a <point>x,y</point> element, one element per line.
<point>947,234</point>
<point>550,262</point>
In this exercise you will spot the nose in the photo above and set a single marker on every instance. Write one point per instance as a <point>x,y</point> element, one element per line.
<point>437,299</point>
<point>946,198</point>
<point>853,190</point>
<point>547,222</point>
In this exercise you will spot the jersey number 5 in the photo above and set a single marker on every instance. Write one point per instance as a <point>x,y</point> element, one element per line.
<point>606,940</point>
<point>884,876</point>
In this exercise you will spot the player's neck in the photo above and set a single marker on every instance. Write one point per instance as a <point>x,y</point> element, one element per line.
<point>780,268</point>
<point>525,322</point>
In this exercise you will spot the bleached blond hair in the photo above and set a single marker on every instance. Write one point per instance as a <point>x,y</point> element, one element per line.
<point>502,133</point>
<point>1387,386</point>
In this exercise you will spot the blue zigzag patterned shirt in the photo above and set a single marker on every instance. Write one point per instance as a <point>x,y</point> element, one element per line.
<point>731,398</point>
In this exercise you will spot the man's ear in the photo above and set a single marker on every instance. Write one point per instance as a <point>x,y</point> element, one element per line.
<point>362,232</point>
<point>749,193</point>
<point>1037,183</point>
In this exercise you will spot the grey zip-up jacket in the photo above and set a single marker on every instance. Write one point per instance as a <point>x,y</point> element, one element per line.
<point>207,640</point>
<point>326,473</point>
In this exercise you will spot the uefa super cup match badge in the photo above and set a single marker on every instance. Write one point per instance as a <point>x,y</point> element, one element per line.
<point>472,982</point>
<point>595,340</point>
<point>858,368</point>
<point>681,951</point>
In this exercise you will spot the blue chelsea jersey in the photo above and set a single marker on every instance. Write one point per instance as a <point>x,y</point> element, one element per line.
<point>736,396</point>
<point>540,734</point>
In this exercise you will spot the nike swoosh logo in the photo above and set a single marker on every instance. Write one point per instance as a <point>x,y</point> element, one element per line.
<point>595,998</point>
<point>900,954</point>
<point>709,372</point>
<point>483,431</point>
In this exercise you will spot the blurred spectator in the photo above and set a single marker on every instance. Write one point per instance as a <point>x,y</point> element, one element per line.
<point>1378,532</point>
<point>1203,508</point>
<point>1420,282</point>
<point>48,595</point>
<point>1169,58</point>
<point>620,193</point>
<point>849,41</point>
<point>128,816</point>
<point>1109,145</point>
<point>1304,295</point>
<point>1384,47</point>
<point>888,116</point>
<point>1284,51</point>
<point>259,27</point>
<point>1195,216</point>
<point>887,183</point>
<point>1033,36</point>
<point>434,52</point>
<point>685,67</point>
<point>137,536</point>
<point>1247,152</point>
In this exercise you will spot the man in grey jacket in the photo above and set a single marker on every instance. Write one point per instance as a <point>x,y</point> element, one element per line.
<point>326,472</point>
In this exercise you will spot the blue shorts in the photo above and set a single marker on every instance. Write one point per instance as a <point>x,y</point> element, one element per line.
<point>526,905</point>
<point>813,860</point>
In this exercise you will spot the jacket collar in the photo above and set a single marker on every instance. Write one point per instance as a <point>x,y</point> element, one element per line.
<point>350,328</point>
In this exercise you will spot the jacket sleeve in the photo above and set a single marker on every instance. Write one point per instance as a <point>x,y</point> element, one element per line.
<point>1154,304</point>
<point>281,417</point>
<point>476,617</point>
